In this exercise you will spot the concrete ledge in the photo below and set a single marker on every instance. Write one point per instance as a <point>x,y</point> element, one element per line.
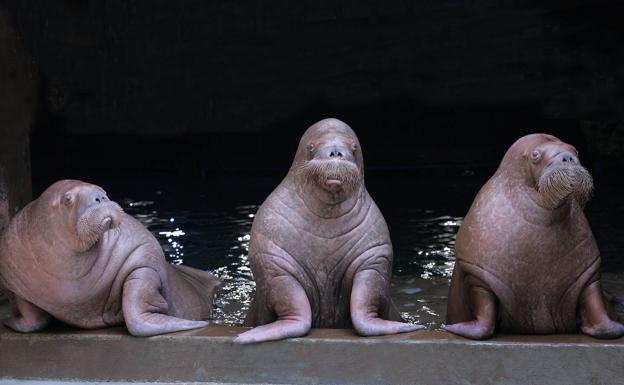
<point>323,357</point>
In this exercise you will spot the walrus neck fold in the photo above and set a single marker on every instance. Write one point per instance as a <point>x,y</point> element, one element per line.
<point>534,210</point>
<point>51,230</point>
<point>55,252</point>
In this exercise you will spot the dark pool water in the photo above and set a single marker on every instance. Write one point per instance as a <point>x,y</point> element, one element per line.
<point>217,240</point>
<point>206,224</point>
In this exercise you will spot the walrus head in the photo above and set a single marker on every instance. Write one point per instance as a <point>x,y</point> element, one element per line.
<point>552,168</point>
<point>79,212</point>
<point>329,161</point>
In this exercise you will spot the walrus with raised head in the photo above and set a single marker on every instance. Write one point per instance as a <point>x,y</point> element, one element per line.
<point>320,249</point>
<point>74,255</point>
<point>527,261</point>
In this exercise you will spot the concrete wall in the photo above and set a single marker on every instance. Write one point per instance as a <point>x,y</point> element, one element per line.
<point>18,100</point>
<point>323,357</point>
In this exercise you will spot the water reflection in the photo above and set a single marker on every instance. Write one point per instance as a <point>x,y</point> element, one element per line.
<point>434,252</point>
<point>424,243</point>
<point>218,240</point>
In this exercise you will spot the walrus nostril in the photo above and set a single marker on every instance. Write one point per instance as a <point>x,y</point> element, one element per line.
<point>100,199</point>
<point>335,154</point>
<point>568,158</point>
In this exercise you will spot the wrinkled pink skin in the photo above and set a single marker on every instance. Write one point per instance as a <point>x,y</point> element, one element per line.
<point>73,255</point>
<point>321,254</point>
<point>523,266</point>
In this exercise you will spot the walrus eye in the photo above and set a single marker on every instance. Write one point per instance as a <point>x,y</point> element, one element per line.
<point>310,146</point>
<point>67,199</point>
<point>535,156</point>
<point>354,147</point>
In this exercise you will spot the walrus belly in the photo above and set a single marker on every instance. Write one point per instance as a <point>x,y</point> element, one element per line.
<point>528,303</point>
<point>542,315</point>
<point>331,309</point>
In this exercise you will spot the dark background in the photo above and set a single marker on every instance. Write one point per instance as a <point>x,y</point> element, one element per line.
<point>227,87</point>
<point>199,105</point>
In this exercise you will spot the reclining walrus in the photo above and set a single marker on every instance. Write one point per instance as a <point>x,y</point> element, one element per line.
<point>320,249</point>
<point>527,261</point>
<point>74,255</point>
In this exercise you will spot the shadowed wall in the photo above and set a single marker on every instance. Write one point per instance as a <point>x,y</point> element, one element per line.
<point>18,101</point>
<point>423,83</point>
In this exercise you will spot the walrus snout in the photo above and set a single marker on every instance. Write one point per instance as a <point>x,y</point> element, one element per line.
<point>113,214</point>
<point>107,223</point>
<point>96,220</point>
<point>97,197</point>
<point>567,158</point>
<point>334,151</point>
<point>565,179</point>
<point>333,185</point>
<point>96,202</point>
<point>332,147</point>
<point>332,174</point>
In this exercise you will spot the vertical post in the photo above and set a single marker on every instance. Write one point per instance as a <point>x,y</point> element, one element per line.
<point>19,92</point>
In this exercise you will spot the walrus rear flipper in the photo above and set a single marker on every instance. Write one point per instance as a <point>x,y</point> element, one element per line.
<point>191,292</point>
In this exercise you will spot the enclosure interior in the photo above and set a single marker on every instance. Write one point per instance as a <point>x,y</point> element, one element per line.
<point>189,113</point>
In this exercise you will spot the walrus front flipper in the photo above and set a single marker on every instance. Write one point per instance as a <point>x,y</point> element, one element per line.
<point>27,318</point>
<point>146,310</point>
<point>483,306</point>
<point>191,292</point>
<point>595,319</point>
<point>367,300</point>
<point>294,315</point>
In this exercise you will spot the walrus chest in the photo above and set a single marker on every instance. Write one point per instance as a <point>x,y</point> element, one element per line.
<point>320,250</point>
<point>322,254</point>
<point>536,272</point>
<point>538,286</point>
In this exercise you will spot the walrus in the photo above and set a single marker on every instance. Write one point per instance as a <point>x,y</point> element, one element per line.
<point>319,248</point>
<point>74,255</point>
<point>527,261</point>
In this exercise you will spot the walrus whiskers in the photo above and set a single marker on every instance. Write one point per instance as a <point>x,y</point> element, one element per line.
<point>320,171</point>
<point>557,184</point>
<point>90,225</point>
